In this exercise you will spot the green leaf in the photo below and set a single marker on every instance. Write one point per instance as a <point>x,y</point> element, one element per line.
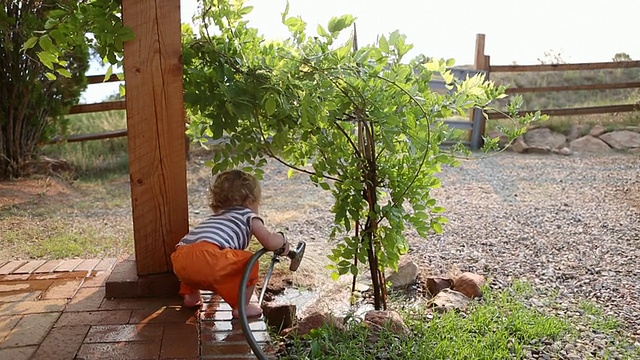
<point>290,173</point>
<point>64,72</point>
<point>50,76</point>
<point>337,24</point>
<point>295,24</point>
<point>270,105</point>
<point>108,74</point>
<point>438,209</point>
<point>122,90</point>
<point>30,43</point>
<point>437,227</point>
<point>383,44</point>
<point>47,59</point>
<point>245,10</point>
<point>321,31</point>
<point>47,45</point>
<point>324,186</point>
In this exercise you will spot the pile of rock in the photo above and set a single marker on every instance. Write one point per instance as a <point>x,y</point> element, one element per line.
<point>445,294</point>
<point>581,139</point>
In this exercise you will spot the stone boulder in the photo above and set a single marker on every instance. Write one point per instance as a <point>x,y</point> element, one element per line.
<point>597,130</point>
<point>622,140</point>
<point>385,319</point>
<point>503,140</point>
<point>538,150</point>
<point>578,131</point>
<point>469,284</point>
<point>437,284</point>
<point>544,138</point>
<point>406,275</point>
<point>518,145</point>
<point>448,300</point>
<point>279,316</point>
<point>589,144</point>
<point>563,151</point>
<point>313,321</point>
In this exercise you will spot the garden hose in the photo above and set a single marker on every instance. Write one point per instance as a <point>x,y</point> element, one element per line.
<point>296,256</point>
<point>248,334</point>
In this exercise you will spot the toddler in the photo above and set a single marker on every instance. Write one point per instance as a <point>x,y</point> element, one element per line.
<point>212,255</point>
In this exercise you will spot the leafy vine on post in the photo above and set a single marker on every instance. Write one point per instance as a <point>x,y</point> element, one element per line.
<point>362,124</point>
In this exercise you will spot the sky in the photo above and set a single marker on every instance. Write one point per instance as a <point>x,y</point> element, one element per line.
<point>516,31</point>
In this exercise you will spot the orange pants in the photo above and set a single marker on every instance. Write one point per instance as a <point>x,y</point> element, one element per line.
<point>204,266</point>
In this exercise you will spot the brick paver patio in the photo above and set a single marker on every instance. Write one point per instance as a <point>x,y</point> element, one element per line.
<point>57,309</point>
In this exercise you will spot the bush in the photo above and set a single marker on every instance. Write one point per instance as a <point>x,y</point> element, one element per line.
<point>31,101</point>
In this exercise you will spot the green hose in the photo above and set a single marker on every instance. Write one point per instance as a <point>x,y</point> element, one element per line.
<point>248,334</point>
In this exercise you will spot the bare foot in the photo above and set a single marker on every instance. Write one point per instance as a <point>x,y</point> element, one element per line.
<point>192,300</point>
<point>252,311</point>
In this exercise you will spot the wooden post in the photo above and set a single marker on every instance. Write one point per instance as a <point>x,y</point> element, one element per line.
<point>481,62</point>
<point>156,131</point>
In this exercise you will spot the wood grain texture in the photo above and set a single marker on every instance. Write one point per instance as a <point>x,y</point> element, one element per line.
<point>156,128</point>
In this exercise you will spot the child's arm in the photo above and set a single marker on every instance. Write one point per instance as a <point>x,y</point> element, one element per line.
<point>270,241</point>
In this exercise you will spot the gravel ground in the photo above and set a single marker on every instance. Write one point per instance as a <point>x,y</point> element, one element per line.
<point>568,225</point>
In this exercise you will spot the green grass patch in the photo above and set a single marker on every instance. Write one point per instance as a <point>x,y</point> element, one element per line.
<point>91,219</point>
<point>93,159</point>
<point>498,327</point>
<point>65,238</point>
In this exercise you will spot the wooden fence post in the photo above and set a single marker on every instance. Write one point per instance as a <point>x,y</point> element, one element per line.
<point>156,131</point>
<point>481,62</point>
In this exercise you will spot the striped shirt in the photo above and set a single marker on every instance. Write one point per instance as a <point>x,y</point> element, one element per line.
<point>229,229</point>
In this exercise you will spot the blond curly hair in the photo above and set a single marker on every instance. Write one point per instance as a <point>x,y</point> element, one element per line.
<point>233,188</point>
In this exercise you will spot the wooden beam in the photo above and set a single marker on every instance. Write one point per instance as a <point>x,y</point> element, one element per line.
<point>566,67</point>
<point>99,79</point>
<point>156,131</point>
<point>590,110</point>
<point>86,137</point>
<point>625,85</point>
<point>97,107</point>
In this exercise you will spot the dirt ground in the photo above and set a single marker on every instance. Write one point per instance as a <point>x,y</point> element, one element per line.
<point>35,209</point>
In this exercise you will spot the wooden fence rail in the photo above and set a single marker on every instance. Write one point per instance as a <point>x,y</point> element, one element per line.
<point>483,62</point>
<point>477,122</point>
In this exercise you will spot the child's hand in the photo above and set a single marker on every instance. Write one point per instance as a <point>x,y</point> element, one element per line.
<point>284,249</point>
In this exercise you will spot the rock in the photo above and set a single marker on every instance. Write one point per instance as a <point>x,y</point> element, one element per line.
<point>589,144</point>
<point>448,300</point>
<point>279,316</point>
<point>562,151</point>
<point>406,275</point>
<point>634,150</point>
<point>518,145</point>
<point>313,321</point>
<point>469,284</point>
<point>537,150</point>
<point>503,140</point>
<point>436,284</point>
<point>597,130</point>
<point>577,131</point>
<point>391,320</point>
<point>622,140</point>
<point>544,138</point>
